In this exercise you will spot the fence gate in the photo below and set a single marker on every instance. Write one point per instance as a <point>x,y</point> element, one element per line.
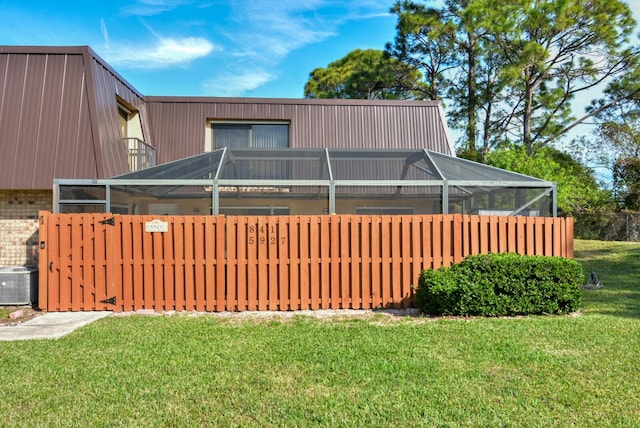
<point>217,263</point>
<point>75,262</point>
<point>107,262</point>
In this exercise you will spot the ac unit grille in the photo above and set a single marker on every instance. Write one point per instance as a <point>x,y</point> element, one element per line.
<point>18,285</point>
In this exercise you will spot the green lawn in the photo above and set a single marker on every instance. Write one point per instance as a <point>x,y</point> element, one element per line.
<point>578,370</point>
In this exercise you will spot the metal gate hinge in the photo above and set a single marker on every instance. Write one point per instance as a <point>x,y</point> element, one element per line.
<point>110,300</point>
<point>110,221</point>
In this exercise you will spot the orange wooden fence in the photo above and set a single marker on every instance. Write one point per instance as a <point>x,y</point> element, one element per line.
<point>207,263</point>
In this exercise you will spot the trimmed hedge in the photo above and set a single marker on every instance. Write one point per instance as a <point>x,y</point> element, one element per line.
<point>500,285</point>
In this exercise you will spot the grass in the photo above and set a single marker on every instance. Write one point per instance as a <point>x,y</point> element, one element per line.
<point>579,370</point>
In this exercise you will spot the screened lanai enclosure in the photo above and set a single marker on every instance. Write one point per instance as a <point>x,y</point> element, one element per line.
<point>311,181</point>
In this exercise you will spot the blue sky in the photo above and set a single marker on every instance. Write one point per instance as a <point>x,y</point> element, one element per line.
<point>253,48</point>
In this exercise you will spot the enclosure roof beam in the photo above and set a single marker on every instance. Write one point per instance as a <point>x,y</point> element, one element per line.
<point>433,165</point>
<point>533,201</point>
<point>328,160</point>
<point>222,161</point>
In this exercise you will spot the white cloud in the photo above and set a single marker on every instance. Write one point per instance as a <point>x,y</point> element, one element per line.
<point>165,52</point>
<point>228,85</point>
<point>273,28</point>
<point>104,31</point>
<point>152,7</point>
<point>267,31</point>
<point>257,35</point>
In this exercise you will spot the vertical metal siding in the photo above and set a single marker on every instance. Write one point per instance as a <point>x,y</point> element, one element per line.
<point>106,86</point>
<point>44,127</point>
<point>73,128</point>
<point>10,109</point>
<point>179,124</point>
<point>31,100</point>
<point>48,124</point>
<point>59,117</point>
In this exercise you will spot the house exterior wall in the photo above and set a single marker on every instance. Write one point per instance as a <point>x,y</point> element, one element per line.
<point>179,125</point>
<point>107,84</point>
<point>59,119</point>
<point>59,116</point>
<point>19,225</point>
<point>45,129</point>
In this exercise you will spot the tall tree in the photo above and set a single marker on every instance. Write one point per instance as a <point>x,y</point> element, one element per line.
<point>424,40</point>
<point>366,74</point>
<point>617,114</point>
<point>519,63</point>
<point>618,130</point>
<point>554,49</point>
<point>444,44</point>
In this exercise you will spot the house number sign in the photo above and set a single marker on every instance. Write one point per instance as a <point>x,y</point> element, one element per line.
<point>156,226</point>
<point>264,235</point>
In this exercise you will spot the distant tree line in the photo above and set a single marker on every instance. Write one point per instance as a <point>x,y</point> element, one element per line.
<point>508,74</point>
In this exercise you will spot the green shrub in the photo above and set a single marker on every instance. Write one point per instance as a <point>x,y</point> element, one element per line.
<point>500,285</point>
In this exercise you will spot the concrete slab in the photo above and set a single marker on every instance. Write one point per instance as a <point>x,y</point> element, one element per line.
<point>51,325</point>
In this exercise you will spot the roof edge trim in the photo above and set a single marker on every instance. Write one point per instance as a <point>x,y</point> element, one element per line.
<point>447,131</point>
<point>289,101</point>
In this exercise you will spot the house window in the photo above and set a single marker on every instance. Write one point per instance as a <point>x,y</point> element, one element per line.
<point>140,154</point>
<point>263,135</point>
<point>124,114</point>
<point>259,135</point>
<point>130,125</point>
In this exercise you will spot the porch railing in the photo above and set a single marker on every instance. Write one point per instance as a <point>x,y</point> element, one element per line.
<point>141,154</point>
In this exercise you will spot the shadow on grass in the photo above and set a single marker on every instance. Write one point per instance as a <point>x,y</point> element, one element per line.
<point>399,312</point>
<point>617,265</point>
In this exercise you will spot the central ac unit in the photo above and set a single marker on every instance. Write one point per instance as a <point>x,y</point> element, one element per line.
<point>18,285</point>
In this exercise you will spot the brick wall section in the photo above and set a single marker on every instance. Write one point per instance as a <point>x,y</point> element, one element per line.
<point>19,225</point>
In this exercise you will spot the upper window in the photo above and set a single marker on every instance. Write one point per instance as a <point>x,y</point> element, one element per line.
<point>124,114</point>
<point>263,135</point>
<point>130,125</point>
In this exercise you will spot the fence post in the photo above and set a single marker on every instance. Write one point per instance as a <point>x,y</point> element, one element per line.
<point>43,260</point>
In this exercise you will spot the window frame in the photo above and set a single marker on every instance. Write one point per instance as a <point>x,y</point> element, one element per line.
<point>210,143</point>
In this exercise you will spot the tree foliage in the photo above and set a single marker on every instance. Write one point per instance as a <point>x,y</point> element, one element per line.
<point>424,41</point>
<point>618,133</point>
<point>577,190</point>
<point>511,69</point>
<point>626,179</point>
<point>365,74</point>
<point>446,44</point>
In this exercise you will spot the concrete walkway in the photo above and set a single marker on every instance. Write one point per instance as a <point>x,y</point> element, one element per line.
<point>51,325</point>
